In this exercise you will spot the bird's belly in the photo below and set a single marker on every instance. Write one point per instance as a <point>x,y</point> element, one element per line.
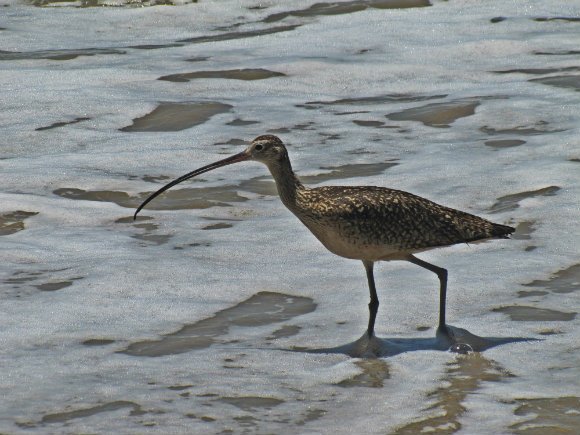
<point>353,247</point>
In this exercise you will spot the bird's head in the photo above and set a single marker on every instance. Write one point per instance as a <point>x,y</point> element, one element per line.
<point>267,149</point>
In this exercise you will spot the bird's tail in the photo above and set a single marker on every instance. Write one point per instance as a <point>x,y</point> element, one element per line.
<point>501,231</point>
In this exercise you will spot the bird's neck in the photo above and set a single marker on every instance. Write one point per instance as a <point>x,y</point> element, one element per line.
<point>287,183</point>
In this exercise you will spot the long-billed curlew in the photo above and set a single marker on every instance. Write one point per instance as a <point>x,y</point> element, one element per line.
<point>365,222</point>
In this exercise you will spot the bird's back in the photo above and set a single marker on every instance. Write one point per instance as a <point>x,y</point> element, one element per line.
<point>358,219</point>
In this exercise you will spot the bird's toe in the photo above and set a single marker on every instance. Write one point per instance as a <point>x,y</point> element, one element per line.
<point>459,340</point>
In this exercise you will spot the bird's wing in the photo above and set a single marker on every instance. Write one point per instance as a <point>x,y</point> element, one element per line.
<point>401,218</point>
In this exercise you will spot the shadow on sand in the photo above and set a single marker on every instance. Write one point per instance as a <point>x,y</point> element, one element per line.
<point>456,340</point>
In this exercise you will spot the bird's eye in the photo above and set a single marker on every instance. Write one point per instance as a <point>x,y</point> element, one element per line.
<point>259,147</point>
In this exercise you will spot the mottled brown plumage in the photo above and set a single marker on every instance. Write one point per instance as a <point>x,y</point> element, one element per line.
<point>387,217</point>
<point>367,223</point>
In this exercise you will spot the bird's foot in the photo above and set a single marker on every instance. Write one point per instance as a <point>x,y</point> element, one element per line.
<point>459,340</point>
<point>368,346</point>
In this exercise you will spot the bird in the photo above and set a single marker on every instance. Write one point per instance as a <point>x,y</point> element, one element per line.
<point>366,223</point>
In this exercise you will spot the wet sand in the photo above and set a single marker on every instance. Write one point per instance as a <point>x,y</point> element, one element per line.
<point>270,319</point>
<point>463,378</point>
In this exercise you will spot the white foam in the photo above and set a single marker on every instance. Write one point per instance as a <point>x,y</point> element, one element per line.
<point>129,292</point>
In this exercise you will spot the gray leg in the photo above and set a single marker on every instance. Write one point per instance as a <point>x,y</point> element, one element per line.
<point>374,303</point>
<point>442,274</point>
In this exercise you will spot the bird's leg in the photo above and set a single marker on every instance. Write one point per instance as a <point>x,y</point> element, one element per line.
<point>442,274</point>
<point>374,303</point>
<point>457,340</point>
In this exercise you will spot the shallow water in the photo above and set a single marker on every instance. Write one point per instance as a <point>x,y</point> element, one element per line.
<point>216,311</point>
<point>263,308</point>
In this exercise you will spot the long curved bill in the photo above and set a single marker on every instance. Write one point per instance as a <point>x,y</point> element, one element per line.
<point>228,161</point>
